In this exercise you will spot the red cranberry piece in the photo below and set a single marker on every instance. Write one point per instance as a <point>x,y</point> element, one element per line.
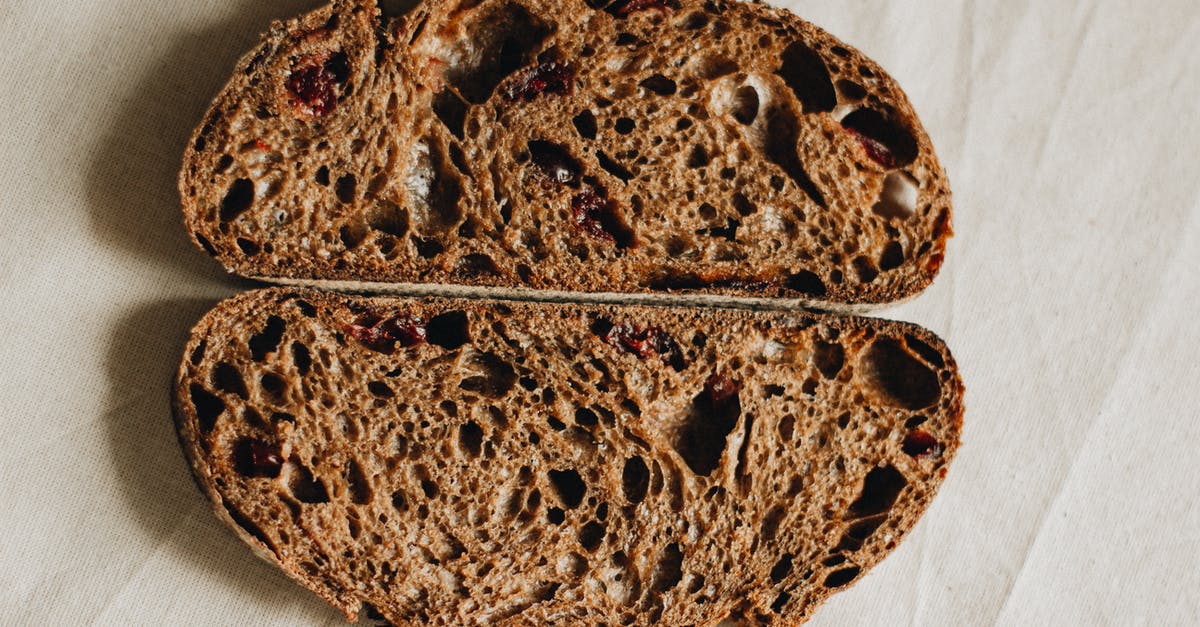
<point>885,141</point>
<point>545,78</point>
<point>647,342</point>
<point>625,9</point>
<point>590,212</point>
<point>720,388</point>
<point>255,458</point>
<point>920,444</point>
<point>405,329</point>
<point>876,150</point>
<point>381,335</point>
<point>313,87</point>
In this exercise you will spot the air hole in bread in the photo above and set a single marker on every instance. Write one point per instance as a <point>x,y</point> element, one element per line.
<point>782,568</point>
<point>669,570</point>
<point>885,140</point>
<point>554,162</point>
<point>585,417</point>
<point>449,330</point>
<point>474,266</point>
<point>682,124</point>
<point>223,164</point>
<point>380,389</point>
<point>898,198</point>
<point>897,378</point>
<point>865,269</point>
<point>805,73</point>
<point>850,90</point>
<point>496,43</point>
<point>713,65</point>
<point>274,385</point>
<point>787,426</point>
<point>701,439</point>
<point>470,438</point>
<point>843,577</point>
<point>692,21</point>
<point>301,358</point>
<point>892,256</point>
<point>612,167</point>
<point>659,84</point>
<point>488,375</point>
<point>585,124</point>
<point>353,234</point>
<point>237,200</point>
<point>591,535</point>
<point>569,487</point>
<point>205,244</point>
<point>745,104</point>
<point>770,524</point>
<point>782,135</point>
<point>828,358</point>
<point>925,351</point>
<point>451,111</point>
<point>624,126</point>
<point>635,479</point>
<point>346,188</point>
<point>698,157</point>
<point>267,341</point>
<point>300,482</point>
<point>626,39</point>
<point>208,406</point>
<point>247,247</point>
<point>322,176</point>
<point>427,248</point>
<point>357,483</point>
<point>555,515</point>
<point>806,283</point>
<point>881,487</point>
<point>227,378</point>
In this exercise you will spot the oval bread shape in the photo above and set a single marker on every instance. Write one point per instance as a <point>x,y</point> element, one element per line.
<point>463,462</point>
<point>634,146</point>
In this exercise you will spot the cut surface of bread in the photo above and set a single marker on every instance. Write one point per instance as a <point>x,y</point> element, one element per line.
<point>630,146</point>
<point>466,462</point>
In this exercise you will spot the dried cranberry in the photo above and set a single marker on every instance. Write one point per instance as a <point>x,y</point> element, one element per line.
<point>920,444</point>
<point>313,87</point>
<point>647,342</point>
<point>876,150</point>
<point>624,9</point>
<point>381,335</point>
<point>255,458</point>
<point>552,77</point>
<point>590,211</point>
<point>720,388</point>
<point>597,215</point>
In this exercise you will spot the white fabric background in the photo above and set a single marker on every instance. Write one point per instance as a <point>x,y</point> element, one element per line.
<point>1070,130</point>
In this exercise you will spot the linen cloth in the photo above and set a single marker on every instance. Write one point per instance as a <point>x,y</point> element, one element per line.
<point>1069,297</point>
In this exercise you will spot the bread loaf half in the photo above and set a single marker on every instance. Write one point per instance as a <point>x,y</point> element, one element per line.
<point>645,146</point>
<point>463,462</point>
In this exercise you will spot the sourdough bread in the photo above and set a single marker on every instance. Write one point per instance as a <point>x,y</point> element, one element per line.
<point>456,462</point>
<point>635,146</point>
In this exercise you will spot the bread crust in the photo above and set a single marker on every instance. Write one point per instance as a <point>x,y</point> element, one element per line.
<point>832,491</point>
<point>830,193</point>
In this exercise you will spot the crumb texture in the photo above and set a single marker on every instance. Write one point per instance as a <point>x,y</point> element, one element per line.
<point>635,145</point>
<point>459,462</point>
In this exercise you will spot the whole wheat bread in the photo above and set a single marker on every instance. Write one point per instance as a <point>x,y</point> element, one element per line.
<point>711,146</point>
<point>466,462</point>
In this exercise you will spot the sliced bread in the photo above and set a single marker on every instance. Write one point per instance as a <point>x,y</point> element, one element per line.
<point>454,462</point>
<point>715,147</point>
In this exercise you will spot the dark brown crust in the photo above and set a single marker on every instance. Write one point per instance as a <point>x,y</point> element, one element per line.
<point>919,241</point>
<point>222,334</point>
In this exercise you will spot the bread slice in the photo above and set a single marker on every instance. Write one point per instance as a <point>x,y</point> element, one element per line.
<point>465,462</point>
<point>634,146</point>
